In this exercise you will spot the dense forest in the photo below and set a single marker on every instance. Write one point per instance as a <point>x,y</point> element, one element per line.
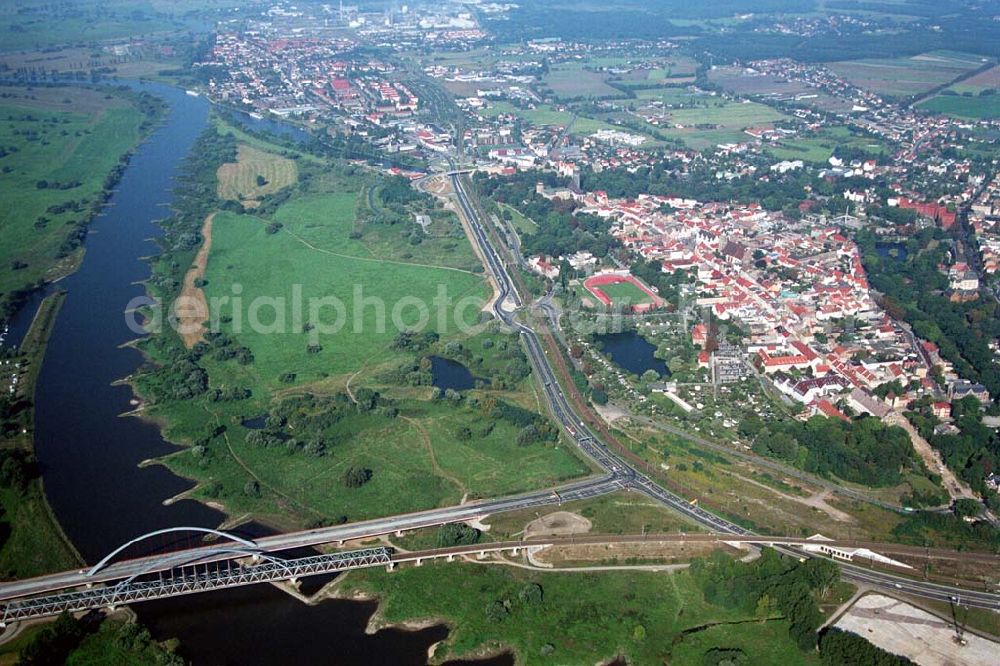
<point>770,585</point>
<point>560,231</point>
<point>863,451</point>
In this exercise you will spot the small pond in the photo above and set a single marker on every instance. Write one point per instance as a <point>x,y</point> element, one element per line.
<point>632,352</point>
<point>449,374</point>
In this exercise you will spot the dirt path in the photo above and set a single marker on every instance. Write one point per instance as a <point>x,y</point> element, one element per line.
<point>931,458</point>
<point>816,500</point>
<point>375,259</point>
<point>261,482</point>
<point>425,436</point>
<point>192,307</point>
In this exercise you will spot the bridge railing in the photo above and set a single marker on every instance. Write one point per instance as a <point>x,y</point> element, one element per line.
<point>202,578</point>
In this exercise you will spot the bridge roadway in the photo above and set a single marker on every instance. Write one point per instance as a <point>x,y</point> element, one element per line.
<point>324,535</point>
<point>616,465</point>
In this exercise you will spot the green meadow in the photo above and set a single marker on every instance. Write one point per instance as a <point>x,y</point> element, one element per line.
<point>639,617</point>
<point>317,240</point>
<point>58,145</point>
<point>314,254</point>
<point>975,107</point>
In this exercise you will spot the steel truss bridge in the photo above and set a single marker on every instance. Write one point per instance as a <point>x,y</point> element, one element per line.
<point>252,567</point>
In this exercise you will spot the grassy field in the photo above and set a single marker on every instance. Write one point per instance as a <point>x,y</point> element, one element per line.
<point>704,121</point>
<point>572,81</point>
<point>818,148</point>
<point>960,106</point>
<point>240,180</point>
<point>903,77</point>
<point>625,293</point>
<point>314,245</point>
<point>314,251</point>
<point>417,451</point>
<point>522,224</point>
<point>40,23</point>
<point>582,617</point>
<point>59,144</point>
<point>769,502</point>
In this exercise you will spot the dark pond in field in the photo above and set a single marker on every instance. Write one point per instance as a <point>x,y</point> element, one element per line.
<point>89,455</point>
<point>892,251</point>
<point>632,352</point>
<point>255,423</point>
<point>449,374</point>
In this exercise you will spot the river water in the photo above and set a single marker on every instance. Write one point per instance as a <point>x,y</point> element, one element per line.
<point>89,455</point>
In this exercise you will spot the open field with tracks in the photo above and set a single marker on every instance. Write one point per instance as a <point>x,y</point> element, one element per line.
<point>903,77</point>
<point>255,174</point>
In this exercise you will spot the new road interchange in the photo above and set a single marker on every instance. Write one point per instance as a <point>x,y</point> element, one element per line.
<point>619,474</point>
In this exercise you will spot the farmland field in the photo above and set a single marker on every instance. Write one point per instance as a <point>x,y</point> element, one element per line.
<point>817,148</point>
<point>571,82</point>
<point>703,121</point>
<point>960,106</point>
<point>57,145</point>
<point>904,77</point>
<point>239,181</point>
<point>990,79</point>
<point>546,115</point>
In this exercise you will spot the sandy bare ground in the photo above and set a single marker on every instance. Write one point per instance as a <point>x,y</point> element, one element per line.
<point>817,500</point>
<point>192,307</point>
<point>904,629</point>
<point>621,553</point>
<point>956,489</point>
<point>557,523</point>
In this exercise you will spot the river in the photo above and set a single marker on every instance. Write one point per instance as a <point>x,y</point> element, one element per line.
<point>89,455</point>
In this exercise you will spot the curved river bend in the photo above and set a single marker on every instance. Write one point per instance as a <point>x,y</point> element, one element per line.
<point>89,455</point>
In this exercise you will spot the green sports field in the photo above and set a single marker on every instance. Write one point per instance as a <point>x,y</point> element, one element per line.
<point>625,293</point>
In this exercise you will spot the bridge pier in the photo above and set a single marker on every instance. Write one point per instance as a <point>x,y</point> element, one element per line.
<point>481,555</point>
<point>451,558</point>
<point>391,566</point>
<point>420,562</point>
<point>514,551</point>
